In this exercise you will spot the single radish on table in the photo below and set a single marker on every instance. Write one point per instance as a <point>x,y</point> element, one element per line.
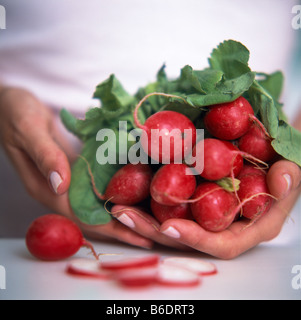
<point>174,128</point>
<point>53,237</point>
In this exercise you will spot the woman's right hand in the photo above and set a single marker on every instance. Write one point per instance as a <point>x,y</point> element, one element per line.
<point>30,139</point>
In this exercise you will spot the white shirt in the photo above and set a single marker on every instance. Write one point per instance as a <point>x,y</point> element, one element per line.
<point>61,50</point>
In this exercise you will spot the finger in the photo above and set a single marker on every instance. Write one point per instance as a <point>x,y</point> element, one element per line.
<point>283,177</point>
<point>51,161</point>
<point>114,230</point>
<point>238,238</point>
<point>35,183</point>
<point>144,224</point>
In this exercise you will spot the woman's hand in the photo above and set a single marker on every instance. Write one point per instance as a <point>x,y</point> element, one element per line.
<point>283,179</point>
<point>39,154</point>
<point>284,182</point>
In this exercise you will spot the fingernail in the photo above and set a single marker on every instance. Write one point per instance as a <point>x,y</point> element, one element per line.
<point>172,233</point>
<point>288,180</point>
<point>55,180</point>
<point>126,220</point>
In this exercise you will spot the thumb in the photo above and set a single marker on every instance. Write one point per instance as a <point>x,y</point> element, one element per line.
<point>283,177</point>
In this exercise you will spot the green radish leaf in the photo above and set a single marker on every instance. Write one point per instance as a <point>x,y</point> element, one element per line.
<point>229,185</point>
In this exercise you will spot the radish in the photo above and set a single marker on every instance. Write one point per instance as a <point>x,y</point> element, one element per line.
<point>217,209</point>
<point>129,185</point>
<point>171,185</point>
<point>131,262</point>
<point>221,159</point>
<point>249,169</point>
<point>169,126</point>
<point>137,277</point>
<point>238,161</point>
<point>87,268</point>
<point>254,195</point>
<point>53,237</point>
<point>163,213</point>
<point>229,121</point>
<point>199,266</point>
<point>258,144</point>
<point>176,276</point>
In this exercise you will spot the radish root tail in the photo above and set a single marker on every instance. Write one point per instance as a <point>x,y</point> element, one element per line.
<point>136,119</point>
<point>97,193</point>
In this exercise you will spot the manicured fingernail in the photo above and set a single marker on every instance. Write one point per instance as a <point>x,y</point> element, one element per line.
<point>288,180</point>
<point>126,220</point>
<point>55,180</point>
<point>172,233</point>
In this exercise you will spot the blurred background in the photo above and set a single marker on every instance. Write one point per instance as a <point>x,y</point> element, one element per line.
<point>60,50</point>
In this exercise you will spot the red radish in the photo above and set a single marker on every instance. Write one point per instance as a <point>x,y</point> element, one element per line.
<point>137,277</point>
<point>171,185</point>
<point>170,126</point>
<point>229,121</point>
<point>163,213</point>
<point>249,169</point>
<point>217,209</point>
<point>129,185</point>
<point>238,161</point>
<point>131,262</point>
<point>175,276</point>
<point>53,237</point>
<point>254,195</point>
<point>258,144</point>
<point>199,266</point>
<point>220,158</point>
<point>87,268</point>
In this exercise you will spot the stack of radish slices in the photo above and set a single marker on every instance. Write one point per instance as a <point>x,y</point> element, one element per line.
<point>145,271</point>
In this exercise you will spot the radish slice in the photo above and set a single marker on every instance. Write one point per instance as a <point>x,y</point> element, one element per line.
<point>172,275</point>
<point>88,268</point>
<point>132,262</point>
<point>198,266</point>
<point>137,277</point>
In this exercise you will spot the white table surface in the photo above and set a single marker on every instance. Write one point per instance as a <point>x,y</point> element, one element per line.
<point>264,272</point>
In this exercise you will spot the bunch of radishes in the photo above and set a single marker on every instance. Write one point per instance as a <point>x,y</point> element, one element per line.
<point>231,184</point>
